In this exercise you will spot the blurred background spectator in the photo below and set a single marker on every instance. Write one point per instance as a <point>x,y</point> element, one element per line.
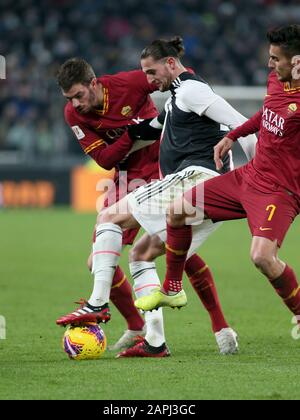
<point>224,40</point>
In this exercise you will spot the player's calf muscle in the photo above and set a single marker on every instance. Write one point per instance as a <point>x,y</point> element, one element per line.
<point>147,249</point>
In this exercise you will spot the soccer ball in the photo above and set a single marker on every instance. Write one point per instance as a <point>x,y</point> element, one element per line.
<point>84,342</point>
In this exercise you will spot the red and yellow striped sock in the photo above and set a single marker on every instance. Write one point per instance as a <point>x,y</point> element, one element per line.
<point>121,296</point>
<point>177,246</point>
<point>287,287</point>
<point>202,281</point>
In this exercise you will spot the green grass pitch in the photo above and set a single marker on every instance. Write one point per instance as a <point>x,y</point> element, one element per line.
<point>43,256</point>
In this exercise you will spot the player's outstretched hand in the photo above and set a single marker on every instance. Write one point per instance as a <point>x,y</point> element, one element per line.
<point>220,151</point>
<point>143,131</point>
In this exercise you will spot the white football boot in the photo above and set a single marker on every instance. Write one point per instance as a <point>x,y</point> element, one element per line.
<point>227,341</point>
<point>128,339</point>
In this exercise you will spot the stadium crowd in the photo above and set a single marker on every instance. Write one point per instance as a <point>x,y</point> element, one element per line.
<point>224,41</point>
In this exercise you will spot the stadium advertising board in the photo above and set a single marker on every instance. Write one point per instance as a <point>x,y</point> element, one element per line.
<point>34,188</point>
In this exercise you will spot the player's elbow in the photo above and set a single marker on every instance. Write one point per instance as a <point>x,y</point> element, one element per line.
<point>105,164</point>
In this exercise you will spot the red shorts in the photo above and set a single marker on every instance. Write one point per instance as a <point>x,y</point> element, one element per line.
<point>270,211</point>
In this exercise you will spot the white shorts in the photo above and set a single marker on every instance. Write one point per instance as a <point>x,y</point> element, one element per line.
<point>149,203</point>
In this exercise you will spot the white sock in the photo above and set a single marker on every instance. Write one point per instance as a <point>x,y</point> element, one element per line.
<point>145,279</point>
<point>106,254</point>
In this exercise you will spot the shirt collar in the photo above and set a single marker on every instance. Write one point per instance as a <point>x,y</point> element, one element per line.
<point>181,78</point>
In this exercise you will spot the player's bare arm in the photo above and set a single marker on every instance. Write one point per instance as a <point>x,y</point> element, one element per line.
<point>249,127</point>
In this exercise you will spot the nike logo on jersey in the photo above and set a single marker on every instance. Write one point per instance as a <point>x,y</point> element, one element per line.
<point>264,229</point>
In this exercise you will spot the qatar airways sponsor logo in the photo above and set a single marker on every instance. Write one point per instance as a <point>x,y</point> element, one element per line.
<point>115,133</point>
<point>273,122</point>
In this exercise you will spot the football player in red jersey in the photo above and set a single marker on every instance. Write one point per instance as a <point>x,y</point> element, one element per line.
<point>266,191</point>
<point>99,111</point>
<point>100,120</point>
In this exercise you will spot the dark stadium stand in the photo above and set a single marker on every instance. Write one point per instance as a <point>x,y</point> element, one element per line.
<point>224,42</point>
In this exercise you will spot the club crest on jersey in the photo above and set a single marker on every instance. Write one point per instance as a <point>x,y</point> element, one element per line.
<point>78,132</point>
<point>293,107</point>
<point>126,111</point>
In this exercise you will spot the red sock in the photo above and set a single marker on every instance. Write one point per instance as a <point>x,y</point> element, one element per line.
<point>202,281</point>
<point>177,246</point>
<point>287,287</point>
<point>121,296</point>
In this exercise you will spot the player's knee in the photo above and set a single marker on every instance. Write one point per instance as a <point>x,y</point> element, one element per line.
<point>175,215</point>
<point>139,253</point>
<point>104,217</point>
<point>175,220</point>
<point>136,255</point>
<point>263,261</point>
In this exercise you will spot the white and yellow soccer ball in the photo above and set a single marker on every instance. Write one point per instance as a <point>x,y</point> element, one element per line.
<point>84,342</point>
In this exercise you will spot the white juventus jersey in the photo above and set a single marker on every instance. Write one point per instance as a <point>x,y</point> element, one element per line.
<point>192,121</point>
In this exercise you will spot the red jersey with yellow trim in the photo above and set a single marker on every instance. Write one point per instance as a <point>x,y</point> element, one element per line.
<point>277,159</point>
<point>126,100</point>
